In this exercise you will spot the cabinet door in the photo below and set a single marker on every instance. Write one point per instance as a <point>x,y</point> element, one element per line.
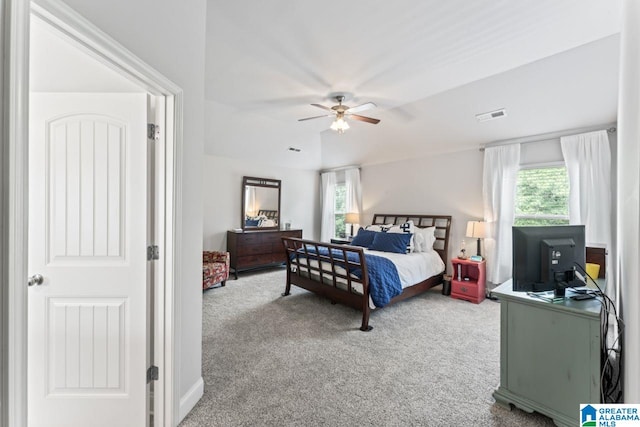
<point>553,357</point>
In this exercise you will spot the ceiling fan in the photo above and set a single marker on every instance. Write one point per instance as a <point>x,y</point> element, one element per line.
<point>341,111</point>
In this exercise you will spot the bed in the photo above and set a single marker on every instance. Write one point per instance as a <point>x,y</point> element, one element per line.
<point>349,274</point>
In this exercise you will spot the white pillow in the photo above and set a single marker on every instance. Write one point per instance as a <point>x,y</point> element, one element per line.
<point>418,241</point>
<point>425,238</point>
<point>407,227</point>
<point>267,223</point>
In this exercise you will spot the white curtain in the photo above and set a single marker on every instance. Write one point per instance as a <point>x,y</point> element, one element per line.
<point>588,160</point>
<point>328,226</point>
<point>353,190</point>
<point>501,165</point>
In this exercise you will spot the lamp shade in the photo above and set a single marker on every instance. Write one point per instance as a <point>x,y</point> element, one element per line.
<point>352,218</point>
<point>477,229</point>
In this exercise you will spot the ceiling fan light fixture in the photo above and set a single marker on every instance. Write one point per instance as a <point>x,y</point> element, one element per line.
<point>340,111</point>
<point>340,125</point>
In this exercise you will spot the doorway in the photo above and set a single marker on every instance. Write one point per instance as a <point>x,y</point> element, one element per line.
<point>165,98</point>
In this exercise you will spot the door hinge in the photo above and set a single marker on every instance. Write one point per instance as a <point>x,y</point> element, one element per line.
<point>152,374</point>
<point>153,252</point>
<point>153,131</point>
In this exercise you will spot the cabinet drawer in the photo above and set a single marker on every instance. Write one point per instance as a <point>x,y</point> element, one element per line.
<point>249,239</point>
<point>279,255</point>
<point>465,288</point>
<point>255,260</point>
<point>256,249</point>
<point>272,238</point>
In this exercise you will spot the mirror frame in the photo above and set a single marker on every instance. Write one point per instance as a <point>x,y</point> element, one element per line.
<point>259,182</point>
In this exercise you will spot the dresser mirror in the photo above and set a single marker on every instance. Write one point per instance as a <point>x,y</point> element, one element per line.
<point>260,203</point>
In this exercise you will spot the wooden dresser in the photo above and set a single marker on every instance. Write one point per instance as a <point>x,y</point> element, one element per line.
<point>256,249</point>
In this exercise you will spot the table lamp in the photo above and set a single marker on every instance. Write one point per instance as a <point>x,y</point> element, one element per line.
<point>352,218</point>
<point>478,230</point>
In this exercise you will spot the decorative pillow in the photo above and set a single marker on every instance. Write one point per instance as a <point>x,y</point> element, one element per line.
<point>364,238</point>
<point>424,239</point>
<point>267,223</point>
<point>381,227</point>
<point>390,242</point>
<point>406,228</point>
<point>252,222</point>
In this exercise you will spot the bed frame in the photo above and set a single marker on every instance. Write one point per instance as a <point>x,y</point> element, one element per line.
<point>270,214</point>
<point>337,286</point>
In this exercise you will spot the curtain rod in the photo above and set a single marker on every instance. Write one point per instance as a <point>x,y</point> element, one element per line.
<point>341,168</point>
<point>611,128</point>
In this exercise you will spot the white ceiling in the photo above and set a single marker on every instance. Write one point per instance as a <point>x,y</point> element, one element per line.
<point>431,66</point>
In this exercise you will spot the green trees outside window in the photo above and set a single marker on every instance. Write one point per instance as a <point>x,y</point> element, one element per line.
<point>542,196</point>
<point>340,209</point>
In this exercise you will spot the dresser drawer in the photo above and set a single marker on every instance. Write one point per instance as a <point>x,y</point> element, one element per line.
<point>279,255</point>
<point>255,260</point>
<point>257,249</point>
<point>290,233</point>
<point>272,238</point>
<point>249,239</point>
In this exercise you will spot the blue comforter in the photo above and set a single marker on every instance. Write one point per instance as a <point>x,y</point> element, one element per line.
<point>384,281</point>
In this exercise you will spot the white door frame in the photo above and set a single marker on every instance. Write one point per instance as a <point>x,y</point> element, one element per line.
<point>14,196</point>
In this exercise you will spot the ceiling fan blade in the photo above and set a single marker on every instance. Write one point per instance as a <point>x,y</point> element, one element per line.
<point>361,107</point>
<point>322,106</point>
<point>364,119</point>
<point>315,117</point>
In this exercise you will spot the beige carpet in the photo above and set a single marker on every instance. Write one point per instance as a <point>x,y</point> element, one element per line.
<point>270,360</point>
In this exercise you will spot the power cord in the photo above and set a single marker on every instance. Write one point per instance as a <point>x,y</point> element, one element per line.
<point>610,356</point>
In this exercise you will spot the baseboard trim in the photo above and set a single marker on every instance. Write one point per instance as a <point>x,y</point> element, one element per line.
<point>190,398</point>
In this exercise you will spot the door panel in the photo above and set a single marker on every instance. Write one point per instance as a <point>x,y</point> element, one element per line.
<point>86,344</point>
<point>86,166</point>
<point>87,237</point>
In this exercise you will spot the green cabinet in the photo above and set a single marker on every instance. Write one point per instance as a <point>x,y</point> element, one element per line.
<point>549,354</point>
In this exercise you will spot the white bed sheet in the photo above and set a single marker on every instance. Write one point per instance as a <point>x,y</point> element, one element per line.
<point>414,267</point>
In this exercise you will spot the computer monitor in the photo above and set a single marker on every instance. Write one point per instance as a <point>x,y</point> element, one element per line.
<point>544,257</point>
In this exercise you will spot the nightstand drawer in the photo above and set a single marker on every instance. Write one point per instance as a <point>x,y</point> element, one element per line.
<point>465,288</point>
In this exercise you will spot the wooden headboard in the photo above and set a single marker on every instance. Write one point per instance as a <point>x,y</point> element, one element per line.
<point>268,213</point>
<point>441,222</point>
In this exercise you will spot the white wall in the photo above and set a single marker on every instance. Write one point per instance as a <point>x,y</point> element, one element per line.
<point>170,37</point>
<point>222,197</point>
<point>628,197</point>
<point>446,184</point>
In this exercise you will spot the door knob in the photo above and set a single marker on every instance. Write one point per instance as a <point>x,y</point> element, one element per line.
<point>36,279</point>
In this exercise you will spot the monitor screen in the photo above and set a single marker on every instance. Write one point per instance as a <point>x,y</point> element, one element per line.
<point>545,255</point>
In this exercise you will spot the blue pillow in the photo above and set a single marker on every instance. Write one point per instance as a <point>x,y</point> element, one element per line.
<point>391,242</point>
<point>251,222</point>
<point>364,238</point>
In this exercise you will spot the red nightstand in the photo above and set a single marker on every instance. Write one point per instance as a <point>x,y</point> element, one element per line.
<point>468,281</point>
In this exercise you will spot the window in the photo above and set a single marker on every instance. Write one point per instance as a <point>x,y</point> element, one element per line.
<point>340,209</point>
<point>542,196</point>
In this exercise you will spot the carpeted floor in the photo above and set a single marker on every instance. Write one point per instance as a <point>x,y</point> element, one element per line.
<point>301,361</point>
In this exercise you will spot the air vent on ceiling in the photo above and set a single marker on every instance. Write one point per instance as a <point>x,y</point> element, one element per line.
<point>491,115</point>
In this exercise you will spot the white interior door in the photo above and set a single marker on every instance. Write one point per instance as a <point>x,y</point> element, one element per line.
<point>87,238</point>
